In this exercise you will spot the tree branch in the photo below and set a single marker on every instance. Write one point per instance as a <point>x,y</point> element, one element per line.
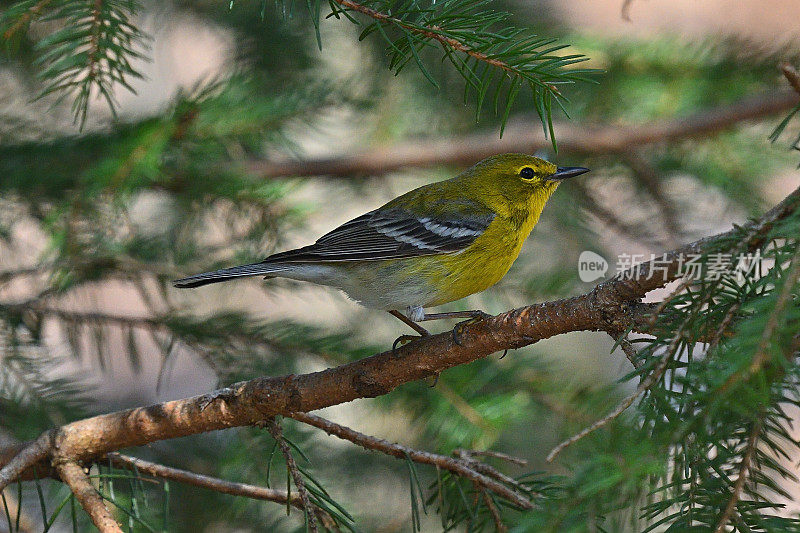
<point>736,494</point>
<point>574,138</point>
<point>644,385</point>
<point>19,459</point>
<point>458,466</point>
<point>76,479</point>
<point>275,429</point>
<point>207,482</point>
<point>435,33</point>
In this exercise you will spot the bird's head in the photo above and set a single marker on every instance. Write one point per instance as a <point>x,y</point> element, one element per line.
<point>519,179</point>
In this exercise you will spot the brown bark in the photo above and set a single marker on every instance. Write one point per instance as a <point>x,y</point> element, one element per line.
<point>78,482</point>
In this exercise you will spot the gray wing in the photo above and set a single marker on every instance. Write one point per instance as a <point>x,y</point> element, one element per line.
<point>394,233</point>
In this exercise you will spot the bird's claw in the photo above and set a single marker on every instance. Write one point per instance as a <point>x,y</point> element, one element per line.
<point>459,328</point>
<point>221,394</point>
<point>403,339</point>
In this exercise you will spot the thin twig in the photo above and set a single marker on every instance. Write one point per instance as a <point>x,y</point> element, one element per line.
<point>724,324</point>
<point>459,467</point>
<point>436,33</point>
<point>78,482</point>
<point>499,526</point>
<point>275,429</point>
<point>68,315</point>
<point>621,338</point>
<point>212,483</point>
<point>488,470</point>
<point>645,384</point>
<point>792,76</point>
<point>490,453</point>
<point>736,494</point>
<point>6,275</point>
<point>677,291</point>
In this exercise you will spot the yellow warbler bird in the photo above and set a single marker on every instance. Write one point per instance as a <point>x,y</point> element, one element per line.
<point>430,246</point>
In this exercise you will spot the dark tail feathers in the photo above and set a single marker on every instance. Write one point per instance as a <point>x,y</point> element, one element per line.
<point>253,269</point>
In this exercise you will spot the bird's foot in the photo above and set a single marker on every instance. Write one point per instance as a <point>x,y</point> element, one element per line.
<point>405,339</point>
<point>221,395</point>
<point>458,329</point>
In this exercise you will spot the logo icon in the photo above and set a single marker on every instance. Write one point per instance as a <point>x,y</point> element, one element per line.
<point>591,266</point>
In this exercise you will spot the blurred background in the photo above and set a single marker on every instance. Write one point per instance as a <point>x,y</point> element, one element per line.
<point>94,222</point>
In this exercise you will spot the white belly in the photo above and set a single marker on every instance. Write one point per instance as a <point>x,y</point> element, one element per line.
<point>365,282</point>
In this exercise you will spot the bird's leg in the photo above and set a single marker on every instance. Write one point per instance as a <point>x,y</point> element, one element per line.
<point>410,322</point>
<point>418,314</point>
<point>402,339</point>
<point>471,317</point>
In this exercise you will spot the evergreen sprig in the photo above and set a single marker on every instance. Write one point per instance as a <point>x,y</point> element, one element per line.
<point>495,59</point>
<point>793,77</point>
<point>91,51</point>
<point>721,411</point>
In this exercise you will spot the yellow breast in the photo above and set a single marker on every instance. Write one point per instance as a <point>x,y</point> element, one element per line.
<point>438,279</point>
<point>485,261</point>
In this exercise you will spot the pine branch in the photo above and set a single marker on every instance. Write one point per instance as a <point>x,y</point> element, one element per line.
<point>643,387</point>
<point>741,480</point>
<point>29,11</point>
<point>90,52</point>
<point>762,355</point>
<point>275,429</point>
<point>484,38</point>
<point>459,466</point>
<point>784,298</point>
<point>72,474</point>
<point>218,485</point>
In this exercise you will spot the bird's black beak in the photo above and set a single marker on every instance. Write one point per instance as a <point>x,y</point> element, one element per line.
<point>563,173</point>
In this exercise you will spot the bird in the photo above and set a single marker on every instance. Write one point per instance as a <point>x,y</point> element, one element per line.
<point>430,246</point>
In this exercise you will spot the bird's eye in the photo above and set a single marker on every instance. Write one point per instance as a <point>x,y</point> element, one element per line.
<point>527,173</point>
